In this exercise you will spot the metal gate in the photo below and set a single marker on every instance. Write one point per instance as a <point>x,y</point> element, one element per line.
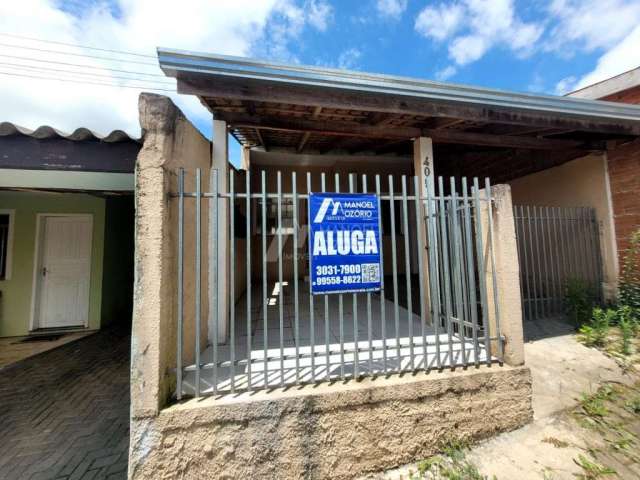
<point>555,246</point>
<point>280,334</point>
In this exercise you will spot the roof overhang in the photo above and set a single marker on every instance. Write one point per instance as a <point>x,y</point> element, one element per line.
<point>296,106</point>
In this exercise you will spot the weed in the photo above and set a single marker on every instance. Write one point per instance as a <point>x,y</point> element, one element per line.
<point>451,465</point>
<point>591,469</point>
<point>626,330</point>
<point>633,405</point>
<point>556,442</point>
<point>578,300</point>
<point>594,334</point>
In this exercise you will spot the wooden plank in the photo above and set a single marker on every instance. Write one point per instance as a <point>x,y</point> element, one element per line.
<point>348,129</point>
<point>252,90</point>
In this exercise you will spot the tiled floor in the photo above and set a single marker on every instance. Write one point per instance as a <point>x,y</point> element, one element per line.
<point>13,349</point>
<point>326,337</point>
<point>65,412</point>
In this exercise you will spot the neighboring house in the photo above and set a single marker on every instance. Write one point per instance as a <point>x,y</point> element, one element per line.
<point>623,161</point>
<point>66,229</point>
<point>301,384</point>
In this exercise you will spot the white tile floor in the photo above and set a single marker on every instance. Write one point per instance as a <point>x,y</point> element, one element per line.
<point>283,372</point>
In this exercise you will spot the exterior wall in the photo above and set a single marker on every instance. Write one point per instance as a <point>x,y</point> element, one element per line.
<point>578,183</point>
<point>171,142</point>
<point>330,431</point>
<point>17,292</point>
<point>624,178</point>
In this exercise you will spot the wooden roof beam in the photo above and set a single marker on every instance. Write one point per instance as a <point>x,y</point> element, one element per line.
<point>348,129</point>
<point>306,135</point>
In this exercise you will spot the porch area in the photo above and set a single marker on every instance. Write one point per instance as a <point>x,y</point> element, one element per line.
<point>319,343</point>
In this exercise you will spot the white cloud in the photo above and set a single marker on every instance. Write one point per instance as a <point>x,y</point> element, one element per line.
<point>590,24</point>
<point>391,8</point>
<point>566,85</point>
<point>622,57</point>
<point>446,73</point>
<point>441,21</point>
<point>473,27</point>
<point>348,59</point>
<point>235,27</point>
<point>319,14</point>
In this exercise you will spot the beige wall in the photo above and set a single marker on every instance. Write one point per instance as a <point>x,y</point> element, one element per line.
<point>337,431</point>
<point>579,183</point>
<point>170,142</point>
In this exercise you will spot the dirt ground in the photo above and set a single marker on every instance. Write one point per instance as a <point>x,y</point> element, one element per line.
<point>586,421</point>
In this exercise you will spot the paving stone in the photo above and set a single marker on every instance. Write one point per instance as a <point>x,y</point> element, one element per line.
<point>66,411</point>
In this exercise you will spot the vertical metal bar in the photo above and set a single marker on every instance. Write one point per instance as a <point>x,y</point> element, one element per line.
<point>434,269</point>
<point>539,271</point>
<point>265,291</point>
<point>457,268</point>
<point>407,269</point>
<point>481,270</point>
<point>280,275</point>
<point>197,281</point>
<point>524,267</point>
<point>248,266</point>
<point>557,242</point>
<point>340,304</point>
<point>396,309</point>
<point>588,248</point>
<point>494,276</point>
<point>180,283</point>
<point>446,278</point>
<point>296,320</point>
<point>575,250</point>
<point>214,262</point>
<point>369,326</point>
<point>356,356</point>
<point>232,290</point>
<point>544,264</point>
<point>312,333</point>
<point>383,320</point>
<point>327,338</point>
<point>471,275</point>
<point>544,214</point>
<point>552,261</point>
<point>533,298</point>
<point>419,239</point>
<point>563,244</point>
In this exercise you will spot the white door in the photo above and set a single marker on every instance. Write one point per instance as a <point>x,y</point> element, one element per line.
<point>64,271</point>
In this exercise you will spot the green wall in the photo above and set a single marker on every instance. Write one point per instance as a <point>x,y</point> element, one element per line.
<point>17,291</point>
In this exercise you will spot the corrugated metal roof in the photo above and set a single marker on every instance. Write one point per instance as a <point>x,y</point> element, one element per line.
<point>175,62</point>
<point>78,135</point>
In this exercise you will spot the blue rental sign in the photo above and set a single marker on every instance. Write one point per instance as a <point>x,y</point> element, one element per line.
<point>344,242</point>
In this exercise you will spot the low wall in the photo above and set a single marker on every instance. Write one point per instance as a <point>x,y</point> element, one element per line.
<point>329,431</point>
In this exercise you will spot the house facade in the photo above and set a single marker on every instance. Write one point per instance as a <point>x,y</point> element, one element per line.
<point>241,367</point>
<point>66,225</point>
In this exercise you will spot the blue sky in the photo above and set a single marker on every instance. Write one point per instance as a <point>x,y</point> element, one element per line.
<point>539,46</point>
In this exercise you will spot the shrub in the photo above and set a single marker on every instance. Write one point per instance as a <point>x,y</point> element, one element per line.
<point>594,333</point>
<point>629,284</point>
<point>578,300</point>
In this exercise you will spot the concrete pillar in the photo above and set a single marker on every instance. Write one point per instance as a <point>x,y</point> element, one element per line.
<point>245,161</point>
<point>423,168</point>
<point>171,142</point>
<point>508,308</point>
<point>220,161</point>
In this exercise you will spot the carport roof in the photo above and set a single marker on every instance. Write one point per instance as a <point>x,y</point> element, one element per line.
<point>305,107</point>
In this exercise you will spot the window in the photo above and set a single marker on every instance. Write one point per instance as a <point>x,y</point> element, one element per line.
<point>6,237</point>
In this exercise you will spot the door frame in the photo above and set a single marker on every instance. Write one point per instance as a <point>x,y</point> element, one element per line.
<point>37,264</point>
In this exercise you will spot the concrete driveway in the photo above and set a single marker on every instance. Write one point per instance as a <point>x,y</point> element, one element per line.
<point>65,413</point>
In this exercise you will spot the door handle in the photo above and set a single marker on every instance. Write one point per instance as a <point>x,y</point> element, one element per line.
<point>44,271</point>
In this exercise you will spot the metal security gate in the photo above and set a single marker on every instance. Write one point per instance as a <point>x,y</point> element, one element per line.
<point>279,334</point>
<point>555,246</point>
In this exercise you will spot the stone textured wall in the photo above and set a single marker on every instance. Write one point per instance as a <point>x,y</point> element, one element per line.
<point>170,142</point>
<point>335,431</point>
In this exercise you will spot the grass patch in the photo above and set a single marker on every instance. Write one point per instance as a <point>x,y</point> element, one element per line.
<point>452,464</point>
<point>591,469</point>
